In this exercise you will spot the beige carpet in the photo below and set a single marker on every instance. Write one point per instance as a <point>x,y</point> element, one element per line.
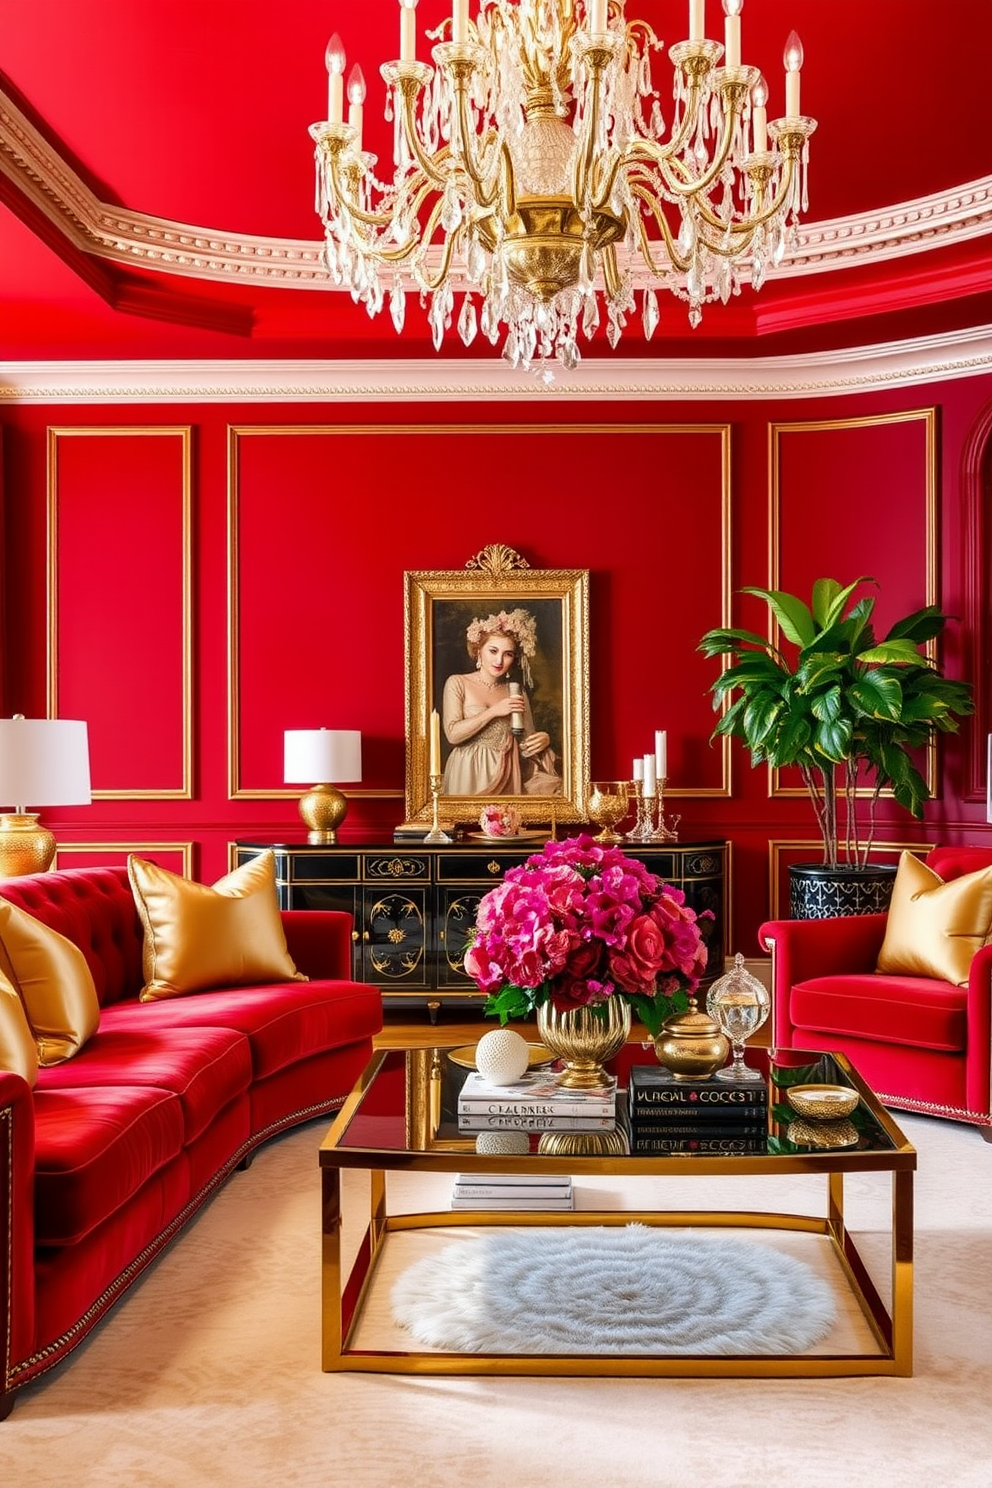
<point>209,1373</point>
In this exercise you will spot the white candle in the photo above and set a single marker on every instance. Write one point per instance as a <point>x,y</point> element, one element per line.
<point>793,62</point>
<point>459,20</point>
<point>356,100</point>
<point>638,770</point>
<point>696,13</point>
<point>335,59</point>
<point>759,98</point>
<point>435,765</point>
<point>661,753</point>
<point>650,782</point>
<point>408,30</point>
<point>597,17</point>
<point>732,33</point>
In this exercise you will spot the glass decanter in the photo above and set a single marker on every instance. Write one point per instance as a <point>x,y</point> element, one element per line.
<point>739,1003</point>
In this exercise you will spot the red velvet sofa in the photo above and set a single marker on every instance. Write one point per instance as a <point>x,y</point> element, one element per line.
<point>112,1152</point>
<point>922,1044</point>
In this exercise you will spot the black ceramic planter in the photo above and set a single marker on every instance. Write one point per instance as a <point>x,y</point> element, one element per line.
<point>816,891</point>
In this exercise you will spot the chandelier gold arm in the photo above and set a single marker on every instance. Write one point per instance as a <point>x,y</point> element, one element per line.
<point>651,202</point>
<point>611,271</point>
<point>410,85</point>
<point>447,249</point>
<point>681,183</point>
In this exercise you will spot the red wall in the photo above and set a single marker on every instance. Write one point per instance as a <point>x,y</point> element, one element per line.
<point>220,574</point>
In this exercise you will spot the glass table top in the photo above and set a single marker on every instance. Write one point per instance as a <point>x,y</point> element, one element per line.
<point>407,1103</point>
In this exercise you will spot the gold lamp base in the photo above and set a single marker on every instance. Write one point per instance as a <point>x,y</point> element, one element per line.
<point>323,809</point>
<point>25,845</point>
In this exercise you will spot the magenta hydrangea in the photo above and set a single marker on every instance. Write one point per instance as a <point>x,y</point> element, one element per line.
<point>578,923</point>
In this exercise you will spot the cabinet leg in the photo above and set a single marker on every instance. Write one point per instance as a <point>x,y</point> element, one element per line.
<point>432,1009</point>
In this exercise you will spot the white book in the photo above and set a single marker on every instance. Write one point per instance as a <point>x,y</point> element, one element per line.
<point>508,1191</point>
<point>565,1202</point>
<point>515,1180</point>
<point>535,1121</point>
<point>537,1092</point>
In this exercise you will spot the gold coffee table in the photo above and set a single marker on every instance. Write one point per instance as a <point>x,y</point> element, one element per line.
<point>401,1118</point>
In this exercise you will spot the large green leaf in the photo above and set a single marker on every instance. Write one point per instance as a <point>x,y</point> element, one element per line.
<point>791,613</point>
<point>877,694</point>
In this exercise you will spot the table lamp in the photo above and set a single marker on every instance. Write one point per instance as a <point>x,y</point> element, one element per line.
<point>322,755</point>
<point>43,762</point>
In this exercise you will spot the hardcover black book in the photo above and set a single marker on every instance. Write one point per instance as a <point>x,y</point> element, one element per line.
<point>730,1146</point>
<point>653,1088</point>
<point>689,1127</point>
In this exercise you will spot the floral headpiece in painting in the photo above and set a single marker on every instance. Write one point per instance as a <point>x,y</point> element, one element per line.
<point>516,623</point>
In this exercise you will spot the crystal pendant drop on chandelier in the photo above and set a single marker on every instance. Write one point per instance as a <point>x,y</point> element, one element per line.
<point>536,177</point>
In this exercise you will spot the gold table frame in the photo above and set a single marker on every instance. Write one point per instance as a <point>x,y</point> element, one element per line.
<point>342,1296</point>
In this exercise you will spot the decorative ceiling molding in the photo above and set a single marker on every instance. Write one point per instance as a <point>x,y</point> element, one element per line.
<point>118,234</point>
<point>827,374</point>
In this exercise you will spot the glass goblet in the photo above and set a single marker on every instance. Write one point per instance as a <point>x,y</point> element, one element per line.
<point>608,804</point>
<point>739,1003</point>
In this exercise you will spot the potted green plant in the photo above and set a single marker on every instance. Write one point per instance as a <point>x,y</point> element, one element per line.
<point>848,711</point>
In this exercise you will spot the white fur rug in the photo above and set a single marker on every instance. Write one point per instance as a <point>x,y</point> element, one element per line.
<point>629,1289</point>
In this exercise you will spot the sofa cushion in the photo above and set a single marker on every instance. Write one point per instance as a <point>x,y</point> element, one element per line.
<point>934,928</point>
<point>94,1149</point>
<point>54,982</point>
<point>198,936</point>
<point>283,1023</point>
<point>18,1050</point>
<point>205,1067</point>
<point>914,1010</point>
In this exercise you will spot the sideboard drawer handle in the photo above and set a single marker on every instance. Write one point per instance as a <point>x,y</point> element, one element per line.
<point>493,867</point>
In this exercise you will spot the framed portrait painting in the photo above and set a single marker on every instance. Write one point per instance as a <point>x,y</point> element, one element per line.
<point>500,653</point>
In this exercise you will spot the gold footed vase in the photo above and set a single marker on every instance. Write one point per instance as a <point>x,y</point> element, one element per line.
<point>583,1039</point>
<point>605,1143</point>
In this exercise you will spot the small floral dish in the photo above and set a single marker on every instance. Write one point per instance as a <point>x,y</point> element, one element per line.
<point>822,1102</point>
<point>499,821</point>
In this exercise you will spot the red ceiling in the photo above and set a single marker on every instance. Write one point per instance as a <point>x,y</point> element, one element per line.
<point>199,114</point>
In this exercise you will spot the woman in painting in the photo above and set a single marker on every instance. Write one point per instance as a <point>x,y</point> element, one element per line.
<point>487,719</point>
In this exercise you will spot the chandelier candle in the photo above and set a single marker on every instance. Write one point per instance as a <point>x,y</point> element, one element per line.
<point>537,176</point>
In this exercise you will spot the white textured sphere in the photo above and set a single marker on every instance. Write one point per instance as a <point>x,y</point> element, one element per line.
<point>501,1056</point>
<point>504,1142</point>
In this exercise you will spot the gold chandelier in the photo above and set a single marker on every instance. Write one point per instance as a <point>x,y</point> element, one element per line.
<point>534,172</point>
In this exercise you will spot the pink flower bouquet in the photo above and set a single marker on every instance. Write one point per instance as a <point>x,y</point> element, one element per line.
<point>579,923</point>
<point>499,821</point>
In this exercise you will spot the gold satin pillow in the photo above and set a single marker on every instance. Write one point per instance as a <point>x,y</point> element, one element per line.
<point>934,928</point>
<point>198,936</point>
<point>18,1050</point>
<point>55,984</point>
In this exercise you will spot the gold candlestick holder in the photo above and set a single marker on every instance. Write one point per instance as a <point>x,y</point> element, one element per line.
<point>662,831</point>
<point>641,830</point>
<point>436,834</point>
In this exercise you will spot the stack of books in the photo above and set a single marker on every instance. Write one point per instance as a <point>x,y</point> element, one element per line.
<point>670,1115</point>
<point>511,1191</point>
<point>535,1102</point>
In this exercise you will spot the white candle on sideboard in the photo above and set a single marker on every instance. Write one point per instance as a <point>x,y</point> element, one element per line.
<point>459,20</point>
<point>661,753</point>
<point>697,10</point>
<point>638,770</point>
<point>650,782</point>
<point>435,765</point>
<point>408,30</point>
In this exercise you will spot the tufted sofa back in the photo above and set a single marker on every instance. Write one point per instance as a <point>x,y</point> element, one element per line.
<point>94,908</point>
<point>952,862</point>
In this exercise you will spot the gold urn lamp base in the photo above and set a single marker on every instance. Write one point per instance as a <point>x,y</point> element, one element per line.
<point>25,845</point>
<point>690,1045</point>
<point>323,808</point>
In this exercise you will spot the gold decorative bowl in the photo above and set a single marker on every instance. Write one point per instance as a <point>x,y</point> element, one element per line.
<point>822,1102</point>
<point>823,1134</point>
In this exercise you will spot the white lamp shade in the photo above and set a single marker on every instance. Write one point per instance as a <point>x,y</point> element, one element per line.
<point>322,756</point>
<point>44,762</point>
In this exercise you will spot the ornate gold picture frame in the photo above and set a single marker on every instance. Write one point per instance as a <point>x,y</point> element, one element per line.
<point>543,775</point>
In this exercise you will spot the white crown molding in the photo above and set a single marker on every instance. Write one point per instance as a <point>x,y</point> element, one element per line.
<point>827,374</point>
<point>156,243</point>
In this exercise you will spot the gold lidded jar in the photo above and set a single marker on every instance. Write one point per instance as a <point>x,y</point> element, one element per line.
<point>690,1045</point>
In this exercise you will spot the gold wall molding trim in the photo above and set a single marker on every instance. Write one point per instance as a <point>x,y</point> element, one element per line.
<point>185,849</point>
<point>134,238</point>
<point>858,369</point>
<point>184,433</point>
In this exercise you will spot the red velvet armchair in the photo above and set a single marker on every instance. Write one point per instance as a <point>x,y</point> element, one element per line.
<point>923,1045</point>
